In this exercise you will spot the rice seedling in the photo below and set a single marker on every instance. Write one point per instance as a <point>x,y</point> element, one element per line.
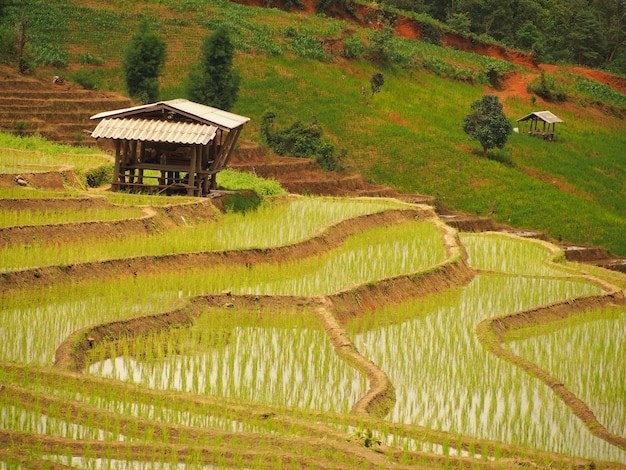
<point>504,253</point>
<point>445,379</point>
<point>585,353</point>
<point>365,257</point>
<point>282,223</point>
<point>288,361</point>
<point>14,160</point>
<point>9,218</point>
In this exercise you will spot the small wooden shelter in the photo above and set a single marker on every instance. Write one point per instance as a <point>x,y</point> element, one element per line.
<point>542,130</point>
<point>169,145</point>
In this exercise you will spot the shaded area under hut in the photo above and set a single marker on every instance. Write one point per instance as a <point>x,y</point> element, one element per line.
<point>546,129</point>
<point>169,146</point>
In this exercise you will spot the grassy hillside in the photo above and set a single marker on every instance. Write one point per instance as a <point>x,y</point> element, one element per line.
<point>409,135</point>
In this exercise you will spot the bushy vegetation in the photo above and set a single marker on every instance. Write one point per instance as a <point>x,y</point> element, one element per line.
<point>99,176</point>
<point>547,88</point>
<point>213,81</point>
<point>300,140</point>
<point>144,59</point>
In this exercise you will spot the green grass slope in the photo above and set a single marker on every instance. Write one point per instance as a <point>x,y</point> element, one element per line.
<point>409,135</point>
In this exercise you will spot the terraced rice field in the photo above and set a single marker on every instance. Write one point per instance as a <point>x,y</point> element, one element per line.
<point>311,333</point>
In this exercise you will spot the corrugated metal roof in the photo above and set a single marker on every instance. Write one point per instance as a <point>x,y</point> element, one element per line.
<point>545,116</point>
<point>154,130</point>
<point>197,111</point>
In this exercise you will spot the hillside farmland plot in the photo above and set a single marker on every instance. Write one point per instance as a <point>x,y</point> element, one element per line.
<point>361,330</point>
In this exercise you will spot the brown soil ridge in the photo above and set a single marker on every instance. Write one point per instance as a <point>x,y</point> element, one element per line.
<point>491,333</point>
<point>324,241</point>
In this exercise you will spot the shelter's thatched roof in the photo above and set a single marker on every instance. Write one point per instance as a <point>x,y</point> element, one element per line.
<point>153,130</point>
<point>188,109</point>
<point>545,116</point>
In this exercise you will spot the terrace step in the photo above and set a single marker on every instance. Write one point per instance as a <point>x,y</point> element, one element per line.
<point>58,112</point>
<point>303,175</point>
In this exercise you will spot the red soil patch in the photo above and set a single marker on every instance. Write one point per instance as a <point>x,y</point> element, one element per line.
<point>618,83</point>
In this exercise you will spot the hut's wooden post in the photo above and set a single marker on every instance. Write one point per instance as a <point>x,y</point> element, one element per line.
<point>116,170</point>
<point>192,170</point>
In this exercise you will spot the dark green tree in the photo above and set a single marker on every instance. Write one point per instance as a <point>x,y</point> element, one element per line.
<point>144,60</point>
<point>612,18</point>
<point>487,123</point>
<point>376,82</point>
<point>214,81</point>
<point>585,37</point>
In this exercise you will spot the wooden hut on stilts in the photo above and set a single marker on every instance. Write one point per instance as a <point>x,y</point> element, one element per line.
<point>170,146</point>
<point>541,124</point>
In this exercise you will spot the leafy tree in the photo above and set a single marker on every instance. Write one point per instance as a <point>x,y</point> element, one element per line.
<point>144,60</point>
<point>612,18</point>
<point>376,82</point>
<point>214,81</point>
<point>487,123</point>
<point>583,38</point>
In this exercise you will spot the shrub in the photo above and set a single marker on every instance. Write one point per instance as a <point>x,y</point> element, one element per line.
<point>547,88</point>
<point>299,140</point>
<point>306,45</point>
<point>352,47</point>
<point>431,34</point>
<point>98,176</point>
<point>494,75</point>
<point>51,55</point>
<point>247,201</point>
<point>87,58</point>
<point>86,78</point>
<point>382,46</point>
<point>8,47</point>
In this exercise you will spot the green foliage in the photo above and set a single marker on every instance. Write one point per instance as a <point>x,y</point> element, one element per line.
<point>299,140</point>
<point>431,33</point>
<point>376,82</point>
<point>263,42</point>
<point>88,58</point>
<point>238,181</point>
<point>366,438</point>
<point>307,45</point>
<point>99,176</point>
<point>8,46</point>
<point>352,47</point>
<point>86,78</point>
<point>242,202</point>
<point>494,76</point>
<point>460,23</point>
<point>487,123</point>
<point>144,59</point>
<point>50,55</point>
<point>599,92</point>
<point>547,88</point>
<point>381,45</point>
<point>214,82</point>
